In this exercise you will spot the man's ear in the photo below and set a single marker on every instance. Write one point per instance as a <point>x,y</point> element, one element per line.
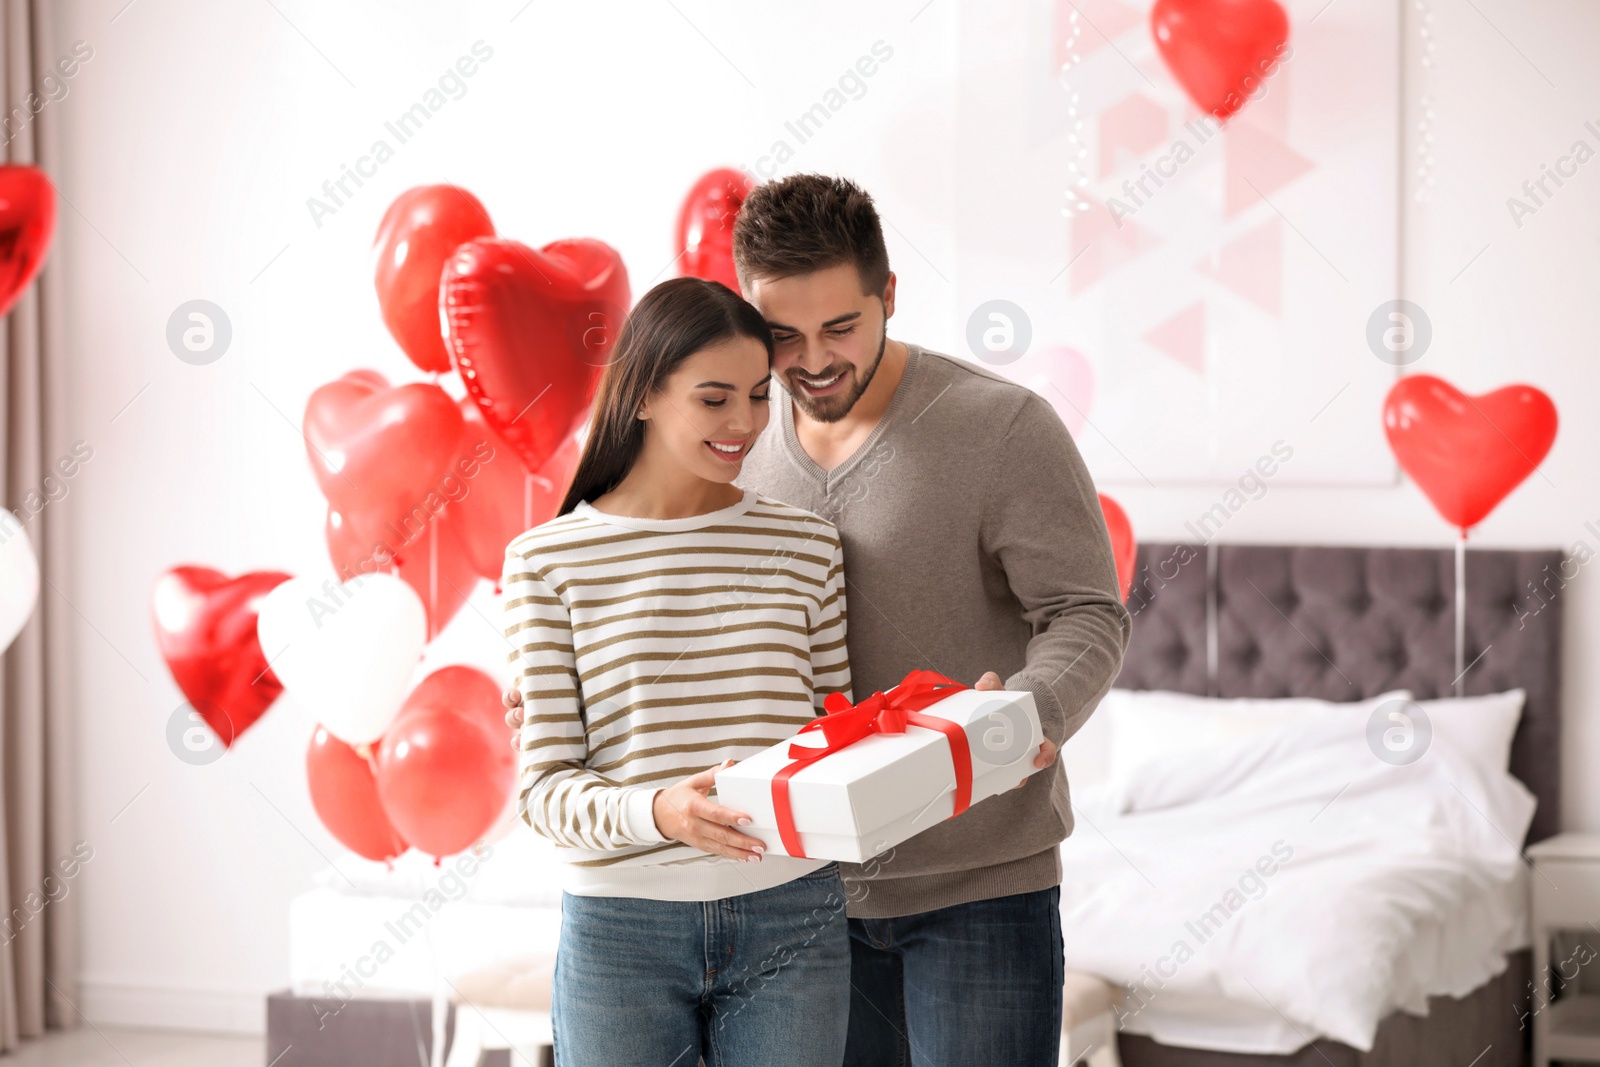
<point>888,297</point>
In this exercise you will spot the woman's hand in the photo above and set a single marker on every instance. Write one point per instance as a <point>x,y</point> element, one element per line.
<point>685,813</point>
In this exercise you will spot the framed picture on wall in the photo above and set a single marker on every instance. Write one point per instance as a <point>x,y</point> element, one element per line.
<point>1195,294</point>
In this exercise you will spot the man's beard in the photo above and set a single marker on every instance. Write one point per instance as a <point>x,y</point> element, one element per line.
<point>834,408</point>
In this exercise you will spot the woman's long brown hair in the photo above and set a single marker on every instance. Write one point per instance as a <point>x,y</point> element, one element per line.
<point>672,322</point>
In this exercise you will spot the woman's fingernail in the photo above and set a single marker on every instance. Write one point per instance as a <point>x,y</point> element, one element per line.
<point>744,822</point>
<point>758,849</point>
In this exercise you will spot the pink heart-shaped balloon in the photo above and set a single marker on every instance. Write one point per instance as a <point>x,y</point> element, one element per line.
<point>1073,374</point>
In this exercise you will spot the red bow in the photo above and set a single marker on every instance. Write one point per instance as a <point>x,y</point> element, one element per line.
<point>881,713</point>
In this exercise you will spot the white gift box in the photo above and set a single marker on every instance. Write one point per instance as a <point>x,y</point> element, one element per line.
<point>869,796</point>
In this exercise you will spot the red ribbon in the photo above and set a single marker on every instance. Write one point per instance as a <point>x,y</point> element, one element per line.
<point>881,713</point>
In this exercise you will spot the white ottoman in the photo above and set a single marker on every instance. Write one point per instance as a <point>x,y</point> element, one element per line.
<point>1089,1021</point>
<point>504,1006</point>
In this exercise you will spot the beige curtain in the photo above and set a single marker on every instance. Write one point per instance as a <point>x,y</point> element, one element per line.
<point>38,830</point>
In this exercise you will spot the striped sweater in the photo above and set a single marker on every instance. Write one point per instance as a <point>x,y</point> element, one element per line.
<point>647,650</point>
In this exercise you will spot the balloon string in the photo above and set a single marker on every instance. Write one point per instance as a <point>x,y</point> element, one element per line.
<point>1461,611</point>
<point>438,1000</point>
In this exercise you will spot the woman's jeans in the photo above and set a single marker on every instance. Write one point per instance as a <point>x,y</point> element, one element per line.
<point>756,980</point>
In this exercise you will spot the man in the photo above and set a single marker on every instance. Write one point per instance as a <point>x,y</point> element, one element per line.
<point>974,546</point>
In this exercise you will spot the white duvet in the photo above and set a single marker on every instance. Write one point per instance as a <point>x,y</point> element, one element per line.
<point>1291,885</point>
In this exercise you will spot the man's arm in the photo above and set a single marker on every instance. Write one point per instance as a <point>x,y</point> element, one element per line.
<point>1042,522</point>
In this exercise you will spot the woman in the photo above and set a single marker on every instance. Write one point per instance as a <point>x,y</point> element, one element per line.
<point>665,620</point>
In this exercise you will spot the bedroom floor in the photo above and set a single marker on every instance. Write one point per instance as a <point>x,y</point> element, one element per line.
<point>111,1046</point>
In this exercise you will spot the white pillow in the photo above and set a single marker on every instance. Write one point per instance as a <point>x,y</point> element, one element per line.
<point>1145,724</point>
<point>1481,726</point>
<point>1132,726</point>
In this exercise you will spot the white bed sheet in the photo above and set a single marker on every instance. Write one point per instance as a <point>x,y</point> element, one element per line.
<point>1401,882</point>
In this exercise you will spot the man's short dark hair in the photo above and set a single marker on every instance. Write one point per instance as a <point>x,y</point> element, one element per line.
<point>805,223</point>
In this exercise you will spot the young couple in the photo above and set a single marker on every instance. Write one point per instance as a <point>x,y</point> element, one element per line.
<point>687,608</point>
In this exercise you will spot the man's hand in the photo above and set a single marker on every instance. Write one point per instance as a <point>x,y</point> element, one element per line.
<point>1047,747</point>
<point>513,701</point>
<point>685,813</point>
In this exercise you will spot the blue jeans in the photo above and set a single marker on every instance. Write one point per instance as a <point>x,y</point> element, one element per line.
<point>756,980</point>
<point>976,983</point>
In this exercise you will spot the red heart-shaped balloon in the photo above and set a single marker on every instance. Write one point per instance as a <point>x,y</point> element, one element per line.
<point>1220,50</point>
<point>705,226</point>
<point>344,794</point>
<point>1124,549</point>
<point>445,771</point>
<point>27,224</point>
<point>421,229</point>
<point>501,498</point>
<point>529,331</point>
<point>378,452</point>
<point>205,625</point>
<point>1467,453</point>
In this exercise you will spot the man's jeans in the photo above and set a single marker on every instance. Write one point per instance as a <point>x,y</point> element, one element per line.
<point>756,980</point>
<point>971,984</point>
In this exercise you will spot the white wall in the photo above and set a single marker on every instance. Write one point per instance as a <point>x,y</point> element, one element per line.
<point>193,137</point>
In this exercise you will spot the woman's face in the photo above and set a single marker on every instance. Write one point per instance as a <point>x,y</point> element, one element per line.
<point>709,411</point>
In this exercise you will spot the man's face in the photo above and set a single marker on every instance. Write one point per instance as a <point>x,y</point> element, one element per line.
<point>830,336</point>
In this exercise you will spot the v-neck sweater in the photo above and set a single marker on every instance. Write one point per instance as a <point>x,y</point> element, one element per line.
<point>973,541</point>
<point>790,438</point>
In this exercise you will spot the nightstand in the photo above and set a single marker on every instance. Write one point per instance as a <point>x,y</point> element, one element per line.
<point>1566,896</point>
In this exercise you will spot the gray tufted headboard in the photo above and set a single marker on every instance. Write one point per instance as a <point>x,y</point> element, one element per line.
<point>1345,623</point>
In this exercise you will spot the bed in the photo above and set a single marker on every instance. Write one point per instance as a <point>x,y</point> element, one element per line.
<point>1345,624</point>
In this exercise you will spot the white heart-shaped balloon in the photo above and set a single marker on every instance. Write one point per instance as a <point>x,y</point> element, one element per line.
<point>345,652</point>
<point>19,578</point>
